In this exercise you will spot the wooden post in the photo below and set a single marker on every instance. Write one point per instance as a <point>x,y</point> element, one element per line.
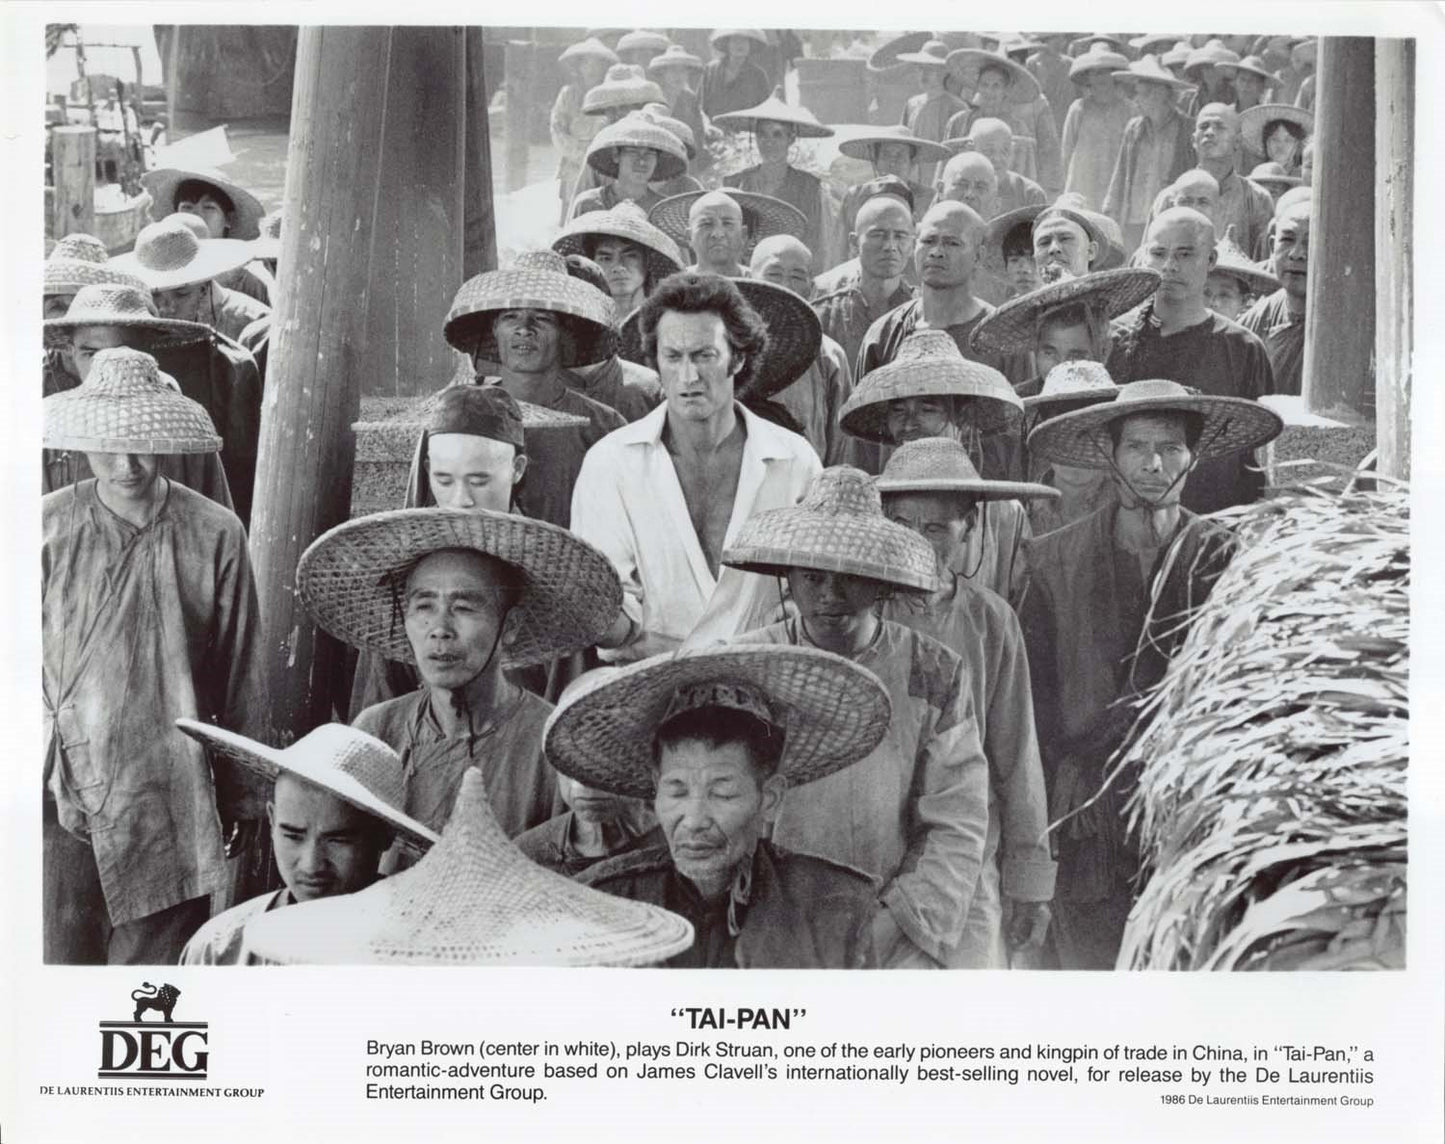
<point>1340,326</point>
<point>1394,251</point>
<point>319,351</point>
<point>479,248</point>
<point>173,77</point>
<point>416,263</point>
<point>73,164</point>
<point>520,60</point>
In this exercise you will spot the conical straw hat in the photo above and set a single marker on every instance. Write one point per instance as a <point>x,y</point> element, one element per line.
<point>1153,43</point>
<point>352,765</point>
<point>1254,120</point>
<point>126,405</point>
<point>924,150</point>
<point>930,54</point>
<point>626,221</point>
<point>1011,328</point>
<point>1097,59</point>
<point>1214,52</point>
<point>831,711</point>
<point>1273,174</point>
<point>838,526</point>
<point>163,183</point>
<point>641,40</point>
<point>1072,385</point>
<point>168,255</point>
<point>942,465</point>
<point>352,578</point>
<point>718,35</point>
<point>928,364</point>
<point>773,110</point>
<point>80,260</point>
<point>1149,68</point>
<point>127,305</point>
<point>590,47</point>
<point>474,899</point>
<point>764,215</point>
<point>625,86</point>
<point>636,130</point>
<point>1023,87</point>
<point>675,56</point>
<point>1233,261</point>
<point>1081,438</point>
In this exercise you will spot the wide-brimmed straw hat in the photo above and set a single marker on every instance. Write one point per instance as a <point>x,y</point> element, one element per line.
<point>1012,327</point>
<point>1071,385</point>
<point>1231,260</point>
<point>773,110</point>
<point>353,577</point>
<point>624,86</point>
<point>1153,43</point>
<point>1273,174</point>
<point>1023,87</point>
<point>763,215</point>
<point>354,766</point>
<point>473,899</point>
<point>1214,52</point>
<point>80,260</point>
<point>928,364</point>
<point>1098,59</point>
<point>163,183</point>
<point>658,113</point>
<point>838,526</point>
<point>168,255</point>
<point>1090,42</point>
<point>830,711</point>
<point>626,221</point>
<point>676,56</point>
<point>1253,121</point>
<point>642,40</point>
<point>1149,68</point>
<point>590,48</point>
<point>930,54</point>
<point>718,35</point>
<point>1178,54</point>
<point>942,465</point>
<point>1081,438</point>
<point>268,245</point>
<point>637,130</point>
<point>1252,64</point>
<point>795,335</point>
<point>924,150</point>
<point>128,306</point>
<point>537,282</point>
<point>885,58</point>
<point>126,405</point>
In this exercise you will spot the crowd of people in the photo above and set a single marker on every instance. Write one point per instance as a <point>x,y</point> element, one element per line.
<point>755,601</point>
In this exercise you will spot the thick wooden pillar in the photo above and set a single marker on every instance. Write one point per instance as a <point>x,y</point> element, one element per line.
<point>1394,251</point>
<point>73,165</point>
<point>319,352</point>
<point>1340,328</point>
<point>479,247</point>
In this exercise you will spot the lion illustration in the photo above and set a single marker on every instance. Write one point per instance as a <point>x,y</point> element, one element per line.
<point>149,997</point>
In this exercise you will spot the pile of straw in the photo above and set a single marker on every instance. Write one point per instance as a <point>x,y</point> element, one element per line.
<point>1271,801</point>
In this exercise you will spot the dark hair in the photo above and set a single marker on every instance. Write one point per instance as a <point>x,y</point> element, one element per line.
<point>1288,124</point>
<point>1018,242</point>
<point>585,270</point>
<point>691,292</point>
<point>993,67</point>
<point>589,244</point>
<point>1078,313</point>
<point>715,727</point>
<point>189,190</point>
<point>1193,424</point>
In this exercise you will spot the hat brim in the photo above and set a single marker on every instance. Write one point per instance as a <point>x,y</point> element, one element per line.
<point>1252,123</point>
<point>978,489</point>
<point>773,542</point>
<point>631,93</point>
<point>659,63</point>
<point>865,414</point>
<point>581,235</point>
<point>764,215</point>
<point>1010,328</point>
<point>834,712</point>
<point>352,577</point>
<point>886,59</point>
<point>753,34</point>
<point>1023,87</point>
<point>163,182</point>
<point>747,121</point>
<point>923,59</point>
<point>480,302</point>
<point>268,762</point>
<point>165,423</point>
<point>71,275</point>
<point>924,150</point>
<point>795,337</point>
<point>165,331</point>
<point>214,257</point>
<point>1165,79</point>
<point>1257,281</point>
<point>1081,438</point>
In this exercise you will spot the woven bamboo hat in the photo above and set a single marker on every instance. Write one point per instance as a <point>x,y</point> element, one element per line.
<point>641,40</point>
<point>718,35</point>
<point>80,260</point>
<point>924,150</point>
<point>763,215</point>
<point>126,405</point>
<point>537,281</point>
<point>930,54</point>
<point>350,764</point>
<point>1081,438</point>
<point>831,711</point>
<point>942,465</point>
<point>773,110</point>
<point>352,578</point>
<point>1097,59</point>
<point>126,305</point>
<point>1093,40</point>
<point>474,899</point>
<point>795,335</point>
<point>1231,260</point>
<point>675,56</point>
<point>1253,121</point>
<point>1072,385</point>
<point>1252,64</point>
<point>626,221</point>
<point>163,183</point>
<point>1149,68</point>
<point>885,58</point>
<point>1023,87</point>
<point>268,245</point>
<point>1269,175</point>
<point>592,48</point>
<point>637,130</point>
<point>1214,52</point>
<point>838,526</point>
<point>1153,43</point>
<point>624,86</point>
<point>928,364</point>
<point>168,255</point>
<point>658,113</point>
<point>1013,327</point>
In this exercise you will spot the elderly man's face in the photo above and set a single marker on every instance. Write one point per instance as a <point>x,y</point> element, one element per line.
<point>717,234</point>
<point>1215,132</point>
<point>773,141</point>
<point>884,238</point>
<point>1059,343</point>
<point>455,606</point>
<point>324,846</point>
<point>713,807</point>
<point>1151,457</point>
<point>624,263</point>
<point>893,159</point>
<point>469,472</point>
<point>1225,295</point>
<point>1182,255</point>
<point>911,418</point>
<point>1291,253</point>
<point>997,147</point>
<point>695,364</point>
<point>790,268</point>
<point>942,519</point>
<point>1201,195</point>
<point>971,179</point>
<point>947,254</point>
<point>1062,249</point>
<point>190,303</point>
<point>125,478</point>
<point>210,209</point>
<point>86,342</point>
<point>529,341</point>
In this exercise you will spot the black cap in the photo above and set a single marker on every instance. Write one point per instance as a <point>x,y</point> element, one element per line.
<point>885,185</point>
<point>478,411</point>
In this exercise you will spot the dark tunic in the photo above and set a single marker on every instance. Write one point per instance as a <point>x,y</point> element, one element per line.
<point>846,315</point>
<point>631,389</point>
<point>1215,356</point>
<point>800,912</point>
<point>881,342</point>
<point>718,95</point>
<point>803,191</point>
<point>1283,335</point>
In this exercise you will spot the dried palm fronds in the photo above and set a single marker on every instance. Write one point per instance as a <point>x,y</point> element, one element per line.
<point>1271,799</point>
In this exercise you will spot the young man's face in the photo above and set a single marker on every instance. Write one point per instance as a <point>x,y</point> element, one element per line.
<point>636,165</point>
<point>1292,253</point>
<point>1280,146</point>
<point>185,303</point>
<point>455,606</point>
<point>695,364</point>
<point>1249,88</point>
<point>324,846</point>
<point>1059,343</point>
<point>1101,85</point>
<point>210,209</point>
<point>1022,273</point>
<point>126,478</point>
<point>529,341</point>
<point>86,342</point>
<point>1224,294</point>
<point>833,603</point>
<point>910,418</point>
<point>942,519</point>
<point>624,263</point>
<point>1180,253</point>
<point>1152,454</point>
<point>469,472</point>
<point>773,141</point>
<point>894,159</point>
<point>884,237</point>
<point>947,253</point>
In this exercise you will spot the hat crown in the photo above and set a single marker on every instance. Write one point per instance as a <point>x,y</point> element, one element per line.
<point>842,491</point>
<point>167,245</point>
<point>1077,377</point>
<point>107,301</point>
<point>546,260</point>
<point>359,756</point>
<point>124,372</point>
<point>719,693</point>
<point>624,73</point>
<point>81,248</point>
<point>930,458</point>
<point>927,346</point>
<point>1152,389</point>
<point>640,38</point>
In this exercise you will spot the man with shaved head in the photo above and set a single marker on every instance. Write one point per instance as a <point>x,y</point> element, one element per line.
<point>1175,336</point>
<point>1279,318</point>
<point>882,240</point>
<point>969,178</point>
<point>718,233</point>
<point>994,140</point>
<point>1198,190</point>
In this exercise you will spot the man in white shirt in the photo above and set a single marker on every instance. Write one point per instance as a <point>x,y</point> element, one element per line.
<point>663,496</point>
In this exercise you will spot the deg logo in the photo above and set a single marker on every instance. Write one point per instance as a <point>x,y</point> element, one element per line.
<point>159,1049</point>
